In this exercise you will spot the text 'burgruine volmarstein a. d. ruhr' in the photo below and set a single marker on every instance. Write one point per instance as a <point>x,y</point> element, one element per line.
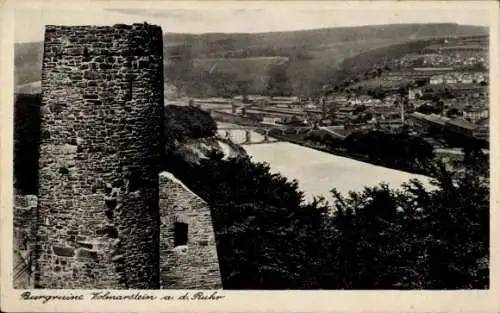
<point>104,216</point>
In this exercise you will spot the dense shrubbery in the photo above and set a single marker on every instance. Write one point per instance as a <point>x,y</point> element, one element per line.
<point>379,238</point>
<point>401,150</point>
<point>322,137</point>
<point>183,123</point>
<point>414,238</point>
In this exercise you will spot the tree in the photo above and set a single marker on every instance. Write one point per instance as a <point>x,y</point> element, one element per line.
<point>426,109</point>
<point>180,65</point>
<point>403,89</point>
<point>278,82</point>
<point>453,112</point>
<point>439,106</point>
<point>414,238</point>
<point>400,151</point>
<point>225,84</point>
<point>378,93</point>
<point>421,82</point>
<point>182,123</point>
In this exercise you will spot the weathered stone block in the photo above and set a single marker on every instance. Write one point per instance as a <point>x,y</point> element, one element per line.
<point>85,253</point>
<point>84,245</point>
<point>75,76</point>
<point>64,251</point>
<point>105,66</point>
<point>92,75</point>
<point>109,231</point>
<point>75,51</point>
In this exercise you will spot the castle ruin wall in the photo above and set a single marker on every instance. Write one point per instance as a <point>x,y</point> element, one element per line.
<point>192,261</point>
<point>101,126</point>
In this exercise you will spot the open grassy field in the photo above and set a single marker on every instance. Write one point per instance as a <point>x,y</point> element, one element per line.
<point>254,70</point>
<point>381,82</point>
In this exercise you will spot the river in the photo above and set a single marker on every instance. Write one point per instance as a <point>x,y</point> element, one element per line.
<point>318,172</point>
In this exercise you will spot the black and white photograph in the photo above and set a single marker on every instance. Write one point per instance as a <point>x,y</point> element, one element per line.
<point>272,148</point>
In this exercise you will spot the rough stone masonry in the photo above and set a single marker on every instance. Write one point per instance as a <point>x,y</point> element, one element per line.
<point>189,262</point>
<point>98,218</point>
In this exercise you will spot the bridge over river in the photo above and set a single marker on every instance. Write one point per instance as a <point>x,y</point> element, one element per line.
<point>251,135</point>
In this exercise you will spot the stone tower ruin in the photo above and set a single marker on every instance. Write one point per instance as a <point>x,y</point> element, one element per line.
<point>101,130</point>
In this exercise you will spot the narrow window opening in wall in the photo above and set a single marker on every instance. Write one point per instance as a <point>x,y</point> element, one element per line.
<point>180,234</point>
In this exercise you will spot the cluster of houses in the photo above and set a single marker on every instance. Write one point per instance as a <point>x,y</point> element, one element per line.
<point>357,100</point>
<point>267,100</point>
<point>445,57</point>
<point>475,114</point>
<point>427,123</point>
<point>459,78</point>
<point>415,73</point>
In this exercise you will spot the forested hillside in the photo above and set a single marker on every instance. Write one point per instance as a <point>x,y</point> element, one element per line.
<point>303,61</point>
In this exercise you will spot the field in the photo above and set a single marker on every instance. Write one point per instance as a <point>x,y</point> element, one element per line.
<point>381,82</point>
<point>255,70</point>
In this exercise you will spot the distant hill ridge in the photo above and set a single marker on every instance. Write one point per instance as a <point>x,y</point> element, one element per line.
<point>314,56</point>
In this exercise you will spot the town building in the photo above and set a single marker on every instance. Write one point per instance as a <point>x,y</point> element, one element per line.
<point>475,114</point>
<point>436,80</point>
<point>414,93</point>
<point>424,123</point>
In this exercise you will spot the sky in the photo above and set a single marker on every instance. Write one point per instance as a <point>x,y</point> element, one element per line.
<point>230,17</point>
